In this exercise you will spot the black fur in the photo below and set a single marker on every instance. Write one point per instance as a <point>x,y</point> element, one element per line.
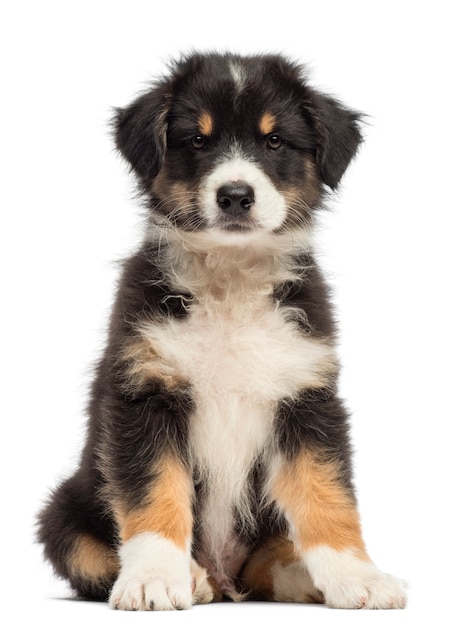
<point>130,428</point>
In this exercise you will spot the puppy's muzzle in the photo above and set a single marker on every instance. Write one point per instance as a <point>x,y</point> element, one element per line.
<point>235,198</point>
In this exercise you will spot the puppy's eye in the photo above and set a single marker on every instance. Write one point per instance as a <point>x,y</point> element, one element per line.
<point>197,142</point>
<point>274,142</point>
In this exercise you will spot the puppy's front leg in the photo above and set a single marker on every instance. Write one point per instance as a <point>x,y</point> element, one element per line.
<point>312,487</point>
<point>156,542</point>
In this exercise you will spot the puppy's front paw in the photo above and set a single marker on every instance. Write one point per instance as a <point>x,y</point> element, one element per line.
<point>150,593</point>
<point>155,576</point>
<point>366,590</point>
<point>348,582</point>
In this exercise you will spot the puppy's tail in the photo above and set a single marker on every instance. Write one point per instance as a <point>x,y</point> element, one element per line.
<point>79,538</point>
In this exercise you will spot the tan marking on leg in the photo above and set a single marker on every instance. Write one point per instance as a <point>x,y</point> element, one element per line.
<point>143,364</point>
<point>167,510</point>
<point>319,507</point>
<point>93,560</point>
<point>205,124</point>
<point>267,123</point>
<point>259,575</point>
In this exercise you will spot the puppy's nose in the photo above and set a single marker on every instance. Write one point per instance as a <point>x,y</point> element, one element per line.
<point>235,198</point>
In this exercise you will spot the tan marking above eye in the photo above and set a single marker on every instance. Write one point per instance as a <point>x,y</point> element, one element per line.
<point>267,123</point>
<point>205,124</point>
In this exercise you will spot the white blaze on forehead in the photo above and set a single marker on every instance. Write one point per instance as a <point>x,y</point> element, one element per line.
<point>238,74</point>
<point>269,209</point>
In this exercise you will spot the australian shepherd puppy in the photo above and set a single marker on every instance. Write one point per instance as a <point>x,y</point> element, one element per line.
<point>217,462</point>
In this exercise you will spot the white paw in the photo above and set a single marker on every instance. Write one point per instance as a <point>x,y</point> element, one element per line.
<point>149,594</point>
<point>348,582</point>
<point>155,576</point>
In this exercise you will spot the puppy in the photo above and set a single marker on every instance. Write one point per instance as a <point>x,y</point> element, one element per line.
<point>217,461</point>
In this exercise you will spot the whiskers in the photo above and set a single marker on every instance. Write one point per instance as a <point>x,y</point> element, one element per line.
<point>179,209</point>
<point>179,217</point>
<point>299,214</point>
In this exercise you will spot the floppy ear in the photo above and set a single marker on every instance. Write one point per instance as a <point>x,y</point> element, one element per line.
<point>140,133</point>
<point>338,137</point>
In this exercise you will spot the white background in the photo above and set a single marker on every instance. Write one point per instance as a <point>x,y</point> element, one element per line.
<point>398,249</point>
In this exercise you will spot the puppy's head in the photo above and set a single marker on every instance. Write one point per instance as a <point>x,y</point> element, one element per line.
<point>236,146</point>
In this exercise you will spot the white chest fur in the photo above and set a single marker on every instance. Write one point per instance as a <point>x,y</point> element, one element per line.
<point>241,362</point>
<point>241,353</point>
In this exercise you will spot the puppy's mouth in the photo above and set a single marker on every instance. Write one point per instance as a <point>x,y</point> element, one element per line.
<point>236,224</point>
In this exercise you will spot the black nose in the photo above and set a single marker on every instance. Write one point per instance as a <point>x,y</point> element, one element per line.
<point>235,198</point>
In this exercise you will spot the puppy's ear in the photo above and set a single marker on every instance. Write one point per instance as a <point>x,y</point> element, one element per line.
<point>140,133</point>
<point>338,137</point>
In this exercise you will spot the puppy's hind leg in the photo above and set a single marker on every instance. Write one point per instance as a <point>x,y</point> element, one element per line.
<point>78,539</point>
<point>275,572</point>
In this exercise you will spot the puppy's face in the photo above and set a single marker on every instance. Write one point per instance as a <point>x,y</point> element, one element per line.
<point>236,146</point>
